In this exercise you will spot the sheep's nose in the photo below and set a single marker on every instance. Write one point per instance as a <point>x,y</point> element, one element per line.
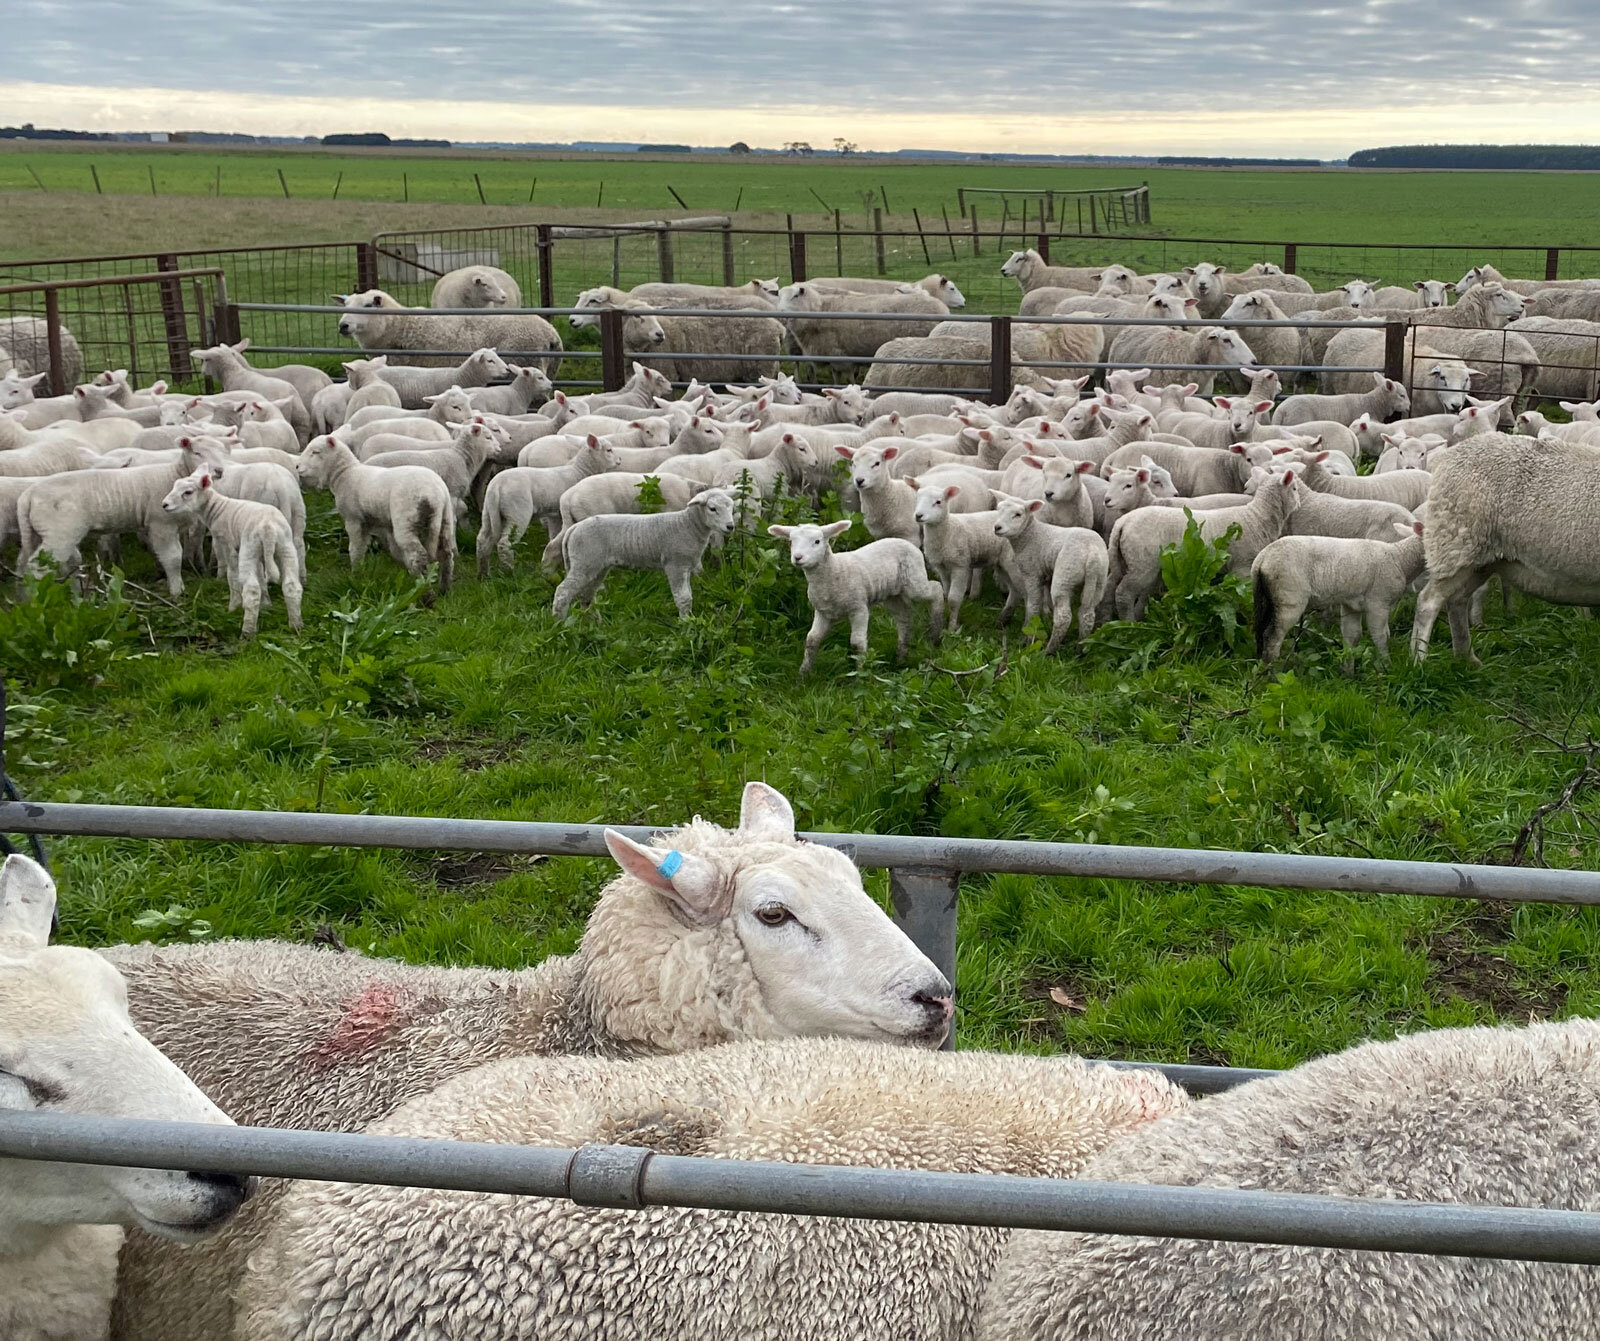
<point>228,1190</point>
<point>937,1002</point>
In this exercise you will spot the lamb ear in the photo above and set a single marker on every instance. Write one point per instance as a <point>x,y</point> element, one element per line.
<point>690,883</point>
<point>766,812</point>
<point>835,529</point>
<point>847,452</point>
<point>782,532</point>
<point>27,900</point>
<point>1035,504</point>
<point>1033,461</point>
<point>1083,467</point>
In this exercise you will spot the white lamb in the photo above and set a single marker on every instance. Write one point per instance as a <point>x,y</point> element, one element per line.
<point>330,406</point>
<point>846,586</point>
<point>1064,564</point>
<point>226,363</point>
<point>1386,398</point>
<point>415,384</point>
<point>69,1048</point>
<point>674,543</point>
<point>517,496</point>
<point>1370,432</point>
<point>615,492</point>
<point>408,507</point>
<point>254,541</point>
<point>457,463</point>
<point>960,546</point>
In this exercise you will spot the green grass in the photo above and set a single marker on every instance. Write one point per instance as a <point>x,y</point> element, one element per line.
<point>483,706</point>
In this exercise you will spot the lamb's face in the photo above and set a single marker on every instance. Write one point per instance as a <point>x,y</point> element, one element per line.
<point>808,543</point>
<point>718,506</point>
<point>1013,516</point>
<point>311,466</point>
<point>1063,477</point>
<point>1127,488</point>
<point>184,496</point>
<point>1399,397</point>
<point>933,503</point>
<point>68,1046</point>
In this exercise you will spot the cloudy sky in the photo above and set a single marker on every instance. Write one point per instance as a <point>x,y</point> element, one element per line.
<point>1017,75</point>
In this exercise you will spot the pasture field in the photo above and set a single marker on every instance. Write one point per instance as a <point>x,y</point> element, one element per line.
<point>483,706</point>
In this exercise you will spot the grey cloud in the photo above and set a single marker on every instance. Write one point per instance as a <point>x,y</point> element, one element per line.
<point>1005,57</point>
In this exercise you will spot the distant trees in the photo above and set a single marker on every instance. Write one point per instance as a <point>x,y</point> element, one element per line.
<point>738,147</point>
<point>799,148</point>
<point>663,149</point>
<point>1550,157</point>
<point>844,146</point>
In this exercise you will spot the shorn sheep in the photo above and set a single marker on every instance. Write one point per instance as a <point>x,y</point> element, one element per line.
<point>683,337</point>
<point>347,1262</point>
<point>284,1035</point>
<point>377,320</point>
<point>806,310</point>
<point>1032,271</point>
<point>846,586</point>
<point>67,1046</point>
<point>1487,1117</point>
<point>476,286</point>
<point>674,543</point>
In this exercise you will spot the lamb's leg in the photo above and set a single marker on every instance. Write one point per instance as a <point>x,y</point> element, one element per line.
<point>250,594</point>
<point>1061,617</point>
<point>357,534</point>
<point>820,624</point>
<point>860,616</point>
<point>1378,627</point>
<point>577,587</point>
<point>955,591</point>
<point>682,591</point>
<point>933,593</point>
<point>168,547</point>
<point>900,612</point>
<point>1350,632</point>
<point>1288,613</point>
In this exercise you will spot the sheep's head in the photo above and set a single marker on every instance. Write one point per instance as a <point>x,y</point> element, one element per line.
<point>718,509</point>
<point>851,404</point>
<point>1019,263</point>
<point>314,463</point>
<point>489,364</point>
<point>1399,398</point>
<point>653,432</point>
<point>1014,515</point>
<point>799,298</point>
<point>1246,305</point>
<point>15,389</point>
<point>185,495</point>
<point>1449,380</point>
<point>454,405</point>
<point>361,308</point>
<point>933,501</point>
<point>1222,346</point>
<point>1205,279</point>
<point>1435,292</point>
<point>767,288</point>
<point>486,291</point>
<point>1358,294</point>
<point>1243,413</point>
<point>68,1046</point>
<point>1265,382</point>
<point>945,290</point>
<point>809,545</point>
<point>1129,489</point>
<point>642,330</point>
<point>1468,280</point>
<point>1503,305</point>
<point>1063,477</point>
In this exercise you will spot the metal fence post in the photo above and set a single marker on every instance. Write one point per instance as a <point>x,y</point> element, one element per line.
<point>612,375</point>
<point>52,334</point>
<point>225,322</point>
<point>366,267</point>
<point>1394,350</point>
<point>1043,246</point>
<point>1291,257</point>
<point>173,318</point>
<point>664,253</point>
<point>924,900</point>
<point>1552,262</point>
<point>999,360</point>
<point>797,257</point>
<point>542,245</point>
<point>727,256</point>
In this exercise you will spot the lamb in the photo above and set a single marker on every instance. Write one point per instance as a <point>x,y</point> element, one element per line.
<point>1480,416</point>
<point>1409,488</point>
<point>407,507</point>
<point>674,542</point>
<point>1386,398</point>
<point>651,435</point>
<point>436,422</point>
<point>1274,347</point>
<point>457,464</point>
<point>820,337</point>
<point>255,543</point>
<point>1534,425</point>
<point>1483,1117</point>
<point>226,363</point>
<point>516,496</point>
<point>846,586</point>
<point>26,342</point>
<point>793,461</point>
<point>330,406</point>
<point>1406,453</point>
<point>257,481</point>
<point>307,381</point>
<point>1370,433</point>
<point>1058,562</point>
<point>70,1048</point>
<point>1428,293</point>
<point>1062,484</point>
<point>1195,470</point>
<point>888,505</point>
<point>1568,352</point>
<point>1326,514</point>
<point>1515,507</point>
<point>528,387</point>
<point>639,392</point>
<point>415,383</point>
<point>939,286</point>
<point>476,286</point>
<point>615,492</point>
<point>49,456</point>
<point>915,402</point>
<point>667,963</point>
<point>1438,382</point>
<point>1209,346</point>
<point>1358,578</point>
<point>1138,539</point>
<point>836,405</point>
<point>1031,271</point>
<point>376,320</point>
<point>959,546</point>
<point>675,1274</point>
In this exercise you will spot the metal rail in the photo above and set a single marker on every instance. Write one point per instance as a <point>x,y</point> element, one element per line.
<point>629,1177</point>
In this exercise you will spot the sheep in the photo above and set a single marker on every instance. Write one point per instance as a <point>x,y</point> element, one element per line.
<point>889,572</point>
<point>1515,507</point>
<point>1406,453</point>
<point>820,336</point>
<point>1194,470</point>
<point>1566,304</point>
<point>1438,382</point>
<point>457,463</point>
<point>1138,539</point>
<point>1032,271</point>
<point>886,375</point>
<point>1061,483</point>
<point>1480,1117</point>
<point>674,542</point>
<point>528,387</point>
<point>1427,293</point>
<point>358,1261</point>
<point>1327,514</point>
<point>476,286</point>
<point>255,543</point>
<point>1055,562</point>
<point>226,363</point>
<point>915,402</point>
<point>939,286</point>
<point>1535,425</point>
<point>1273,346</point>
<point>407,507</point>
<point>1480,416</point>
<point>1370,433</point>
<point>960,546</point>
<point>837,405</point>
<point>1408,488</point>
<point>1212,290</point>
<point>305,379</point>
<point>639,392</point>
<point>703,337</point>
<point>47,457</point>
<point>668,962</point>
<point>415,383</point>
<point>1387,397</point>
<point>1050,300</point>
<point>888,505</point>
<point>517,496</point>
<point>269,482</point>
<point>437,421</point>
<point>1264,275</point>
<point>755,293</point>
<point>376,320</point>
<point>615,492</point>
<point>1568,352</point>
<point>1209,346</point>
<point>794,461</point>
<point>330,406</point>
<point>1357,294</point>
<point>1078,341</point>
<point>26,342</point>
<point>71,1049</point>
<point>1487,274</point>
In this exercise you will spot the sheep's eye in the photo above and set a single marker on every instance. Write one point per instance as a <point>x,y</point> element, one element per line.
<point>774,915</point>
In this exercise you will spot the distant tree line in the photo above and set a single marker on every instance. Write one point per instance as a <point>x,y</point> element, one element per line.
<point>373,138</point>
<point>1568,157</point>
<point>1189,161</point>
<point>27,131</point>
<point>663,149</point>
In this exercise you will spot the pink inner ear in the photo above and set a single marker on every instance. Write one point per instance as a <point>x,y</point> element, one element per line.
<point>1033,461</point>
<point>1084,467</point>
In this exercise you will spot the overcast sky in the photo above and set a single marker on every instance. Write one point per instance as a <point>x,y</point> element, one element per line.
<point>1019,75</point>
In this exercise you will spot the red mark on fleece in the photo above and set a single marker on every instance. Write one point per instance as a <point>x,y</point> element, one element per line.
<point>369,1019</point>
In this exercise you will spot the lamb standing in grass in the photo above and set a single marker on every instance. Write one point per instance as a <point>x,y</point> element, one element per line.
<point>226,363</point>
<point>253,540</point>
<point>289,1036</point>
<point>407,507</point>
<point>1358,578</point>
<point>846,586</point>
<point>960,547</point>
<point>516,496</point>
<point>457,463</point>
<point>615,493</point>
<point>1058,563</point>
<point>1480,1117</point>
<point>673,542</point>
<point>349,1261</point>
<point>69,1048</point>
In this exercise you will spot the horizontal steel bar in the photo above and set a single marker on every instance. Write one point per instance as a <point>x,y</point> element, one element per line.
<point>110,281</point>
<point>835,1191</point>
<point>1270,870</point>
<point>1195,1079</point>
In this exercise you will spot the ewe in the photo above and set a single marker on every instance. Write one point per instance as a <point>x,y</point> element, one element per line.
<point>67,1046</point>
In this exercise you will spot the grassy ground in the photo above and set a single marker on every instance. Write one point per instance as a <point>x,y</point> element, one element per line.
<point>483,706</point>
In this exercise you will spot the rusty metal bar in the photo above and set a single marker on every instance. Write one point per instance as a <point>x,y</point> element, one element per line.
<point>544,247</point>
<point>173,318</point>
<point>109,281</point>
<point>1394,350</point>
<point>366,267</point>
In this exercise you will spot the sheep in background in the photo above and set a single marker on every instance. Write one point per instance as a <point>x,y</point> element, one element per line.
<point>226,363</point>
<point>820,336</point>
<point>26,343</point>
<point>1274,347</point>
<point>1428,293</point>
<point>1032,271</point>
<point>667,963</point>
<point>1208,346</point>
<point>476,286</point>
<point>939,286</point>
<point>1568,352</point>
<point>705,336</point>
<point>377,320</point>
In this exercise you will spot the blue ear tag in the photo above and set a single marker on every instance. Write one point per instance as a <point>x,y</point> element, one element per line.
<point>670,864</point>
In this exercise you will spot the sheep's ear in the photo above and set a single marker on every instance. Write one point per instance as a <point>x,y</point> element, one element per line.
<point>782,532</point>
<point>1035,504</point>
<point>1237,448</point>
<point>241,346</point>
<point>951,490</point>
<point>766,812</point>
<point>690,882</point>
<point>1032,461</point>
<point>1226,402</point>
<point>847,452</point>
<point>833,530</point>
<point>27,901</point>
<point>1190,388</point>
<point>1142,475</point>
<point>889,453</point>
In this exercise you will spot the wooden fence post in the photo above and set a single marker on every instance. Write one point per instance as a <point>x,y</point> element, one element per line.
<point>366,267</point>
<point>797,257</point>
<point>1394,351</point>
<point>1043,241</point>
<point>57,380</point>
<point>1291,257</point>
<point>1552,262</point>
<point>877,237</point>
<point>543,245</point>
<point>999,360</point>
<point>173,318</point>
<point>727,256</point>
<point>838,242</point>
<point>974,230</point>
<point>664,253</point>
<point>612,359</point>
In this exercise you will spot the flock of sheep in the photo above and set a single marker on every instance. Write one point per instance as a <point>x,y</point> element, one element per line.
<point>737,994</point>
